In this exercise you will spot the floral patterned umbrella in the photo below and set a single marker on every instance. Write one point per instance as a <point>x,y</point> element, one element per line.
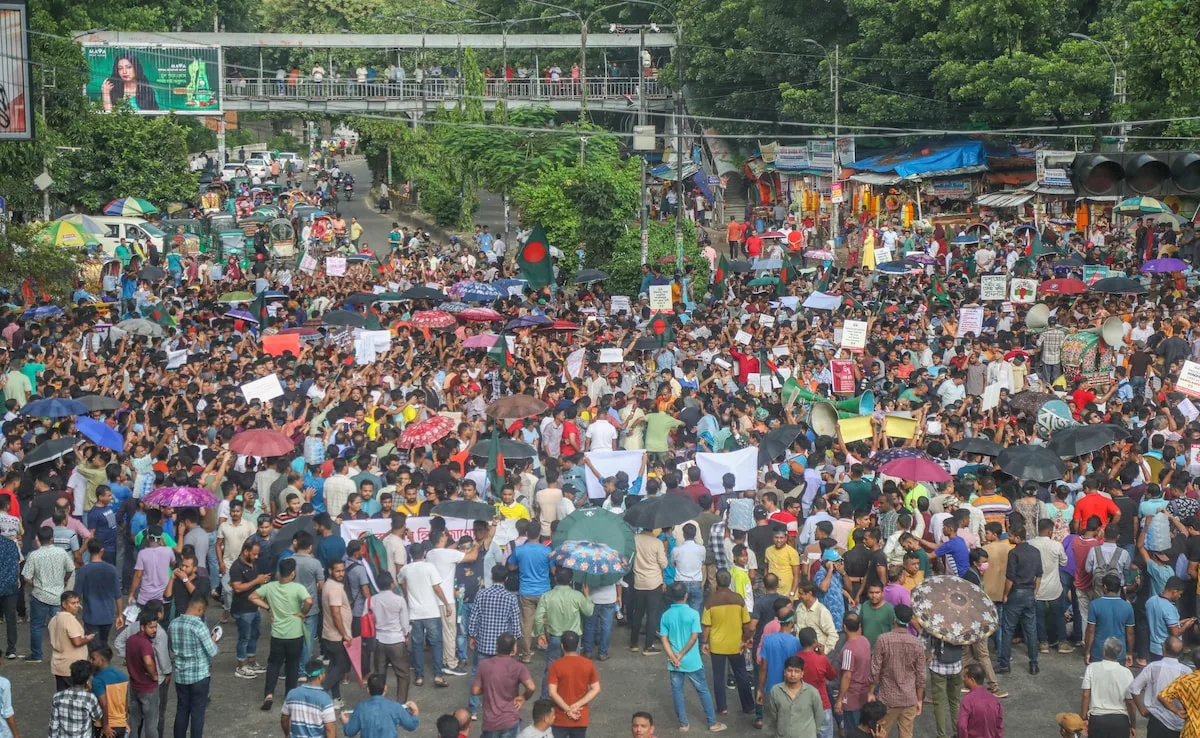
<point>430,319</point>
<point>426,432</point>
<point>181,497</point>
<point>891,454</point>
<point>954,610</point>
<point>480,315</point>
<point>590,558</point>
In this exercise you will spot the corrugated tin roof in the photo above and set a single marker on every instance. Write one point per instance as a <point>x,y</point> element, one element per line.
<point>1009,199</point>
<point>879,180</point>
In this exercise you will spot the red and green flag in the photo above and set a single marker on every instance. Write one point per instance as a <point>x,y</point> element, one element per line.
<point>534,259</point>
<point>499,352</point>
<point>719,276</point>
<point>938,287</point>
<point>495,465</point>
<point>660,328</point>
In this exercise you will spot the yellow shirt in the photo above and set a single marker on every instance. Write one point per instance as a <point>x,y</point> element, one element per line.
<point>780,562</point>
<point>515,511</point>
<point>910,581</point>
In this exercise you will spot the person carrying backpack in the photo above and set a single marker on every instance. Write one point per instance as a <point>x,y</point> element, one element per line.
<point>1107,558</point>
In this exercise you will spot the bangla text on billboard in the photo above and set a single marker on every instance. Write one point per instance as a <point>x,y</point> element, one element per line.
<point>155,79</point>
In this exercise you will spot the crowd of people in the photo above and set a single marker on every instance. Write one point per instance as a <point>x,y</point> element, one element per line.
<point>794,586</point>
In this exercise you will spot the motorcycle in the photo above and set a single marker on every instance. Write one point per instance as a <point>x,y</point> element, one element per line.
<point>348,188</point>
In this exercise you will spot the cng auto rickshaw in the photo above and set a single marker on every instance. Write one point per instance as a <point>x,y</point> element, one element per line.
<point>283,239</point>
<point>193,231</point>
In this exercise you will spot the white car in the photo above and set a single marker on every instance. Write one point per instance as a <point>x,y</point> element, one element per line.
<point>231,170</point>
<point>257,167</point>
<point>288,156</point>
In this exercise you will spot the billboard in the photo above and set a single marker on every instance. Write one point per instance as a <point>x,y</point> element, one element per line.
<point>16,100</point>
<point>155,79</point>
<point>1051,167</point>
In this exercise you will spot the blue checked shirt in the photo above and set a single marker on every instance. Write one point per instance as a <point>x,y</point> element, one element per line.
<point>495,611</point>
<point>193,647</point>
<point>716,545</point>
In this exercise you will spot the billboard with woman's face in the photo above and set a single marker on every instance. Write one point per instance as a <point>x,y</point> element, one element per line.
<point>16,104</point>
<point>155,79</point>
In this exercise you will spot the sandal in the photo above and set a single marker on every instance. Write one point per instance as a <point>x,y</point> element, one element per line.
<point>439,682</point>
<point>419,683</point>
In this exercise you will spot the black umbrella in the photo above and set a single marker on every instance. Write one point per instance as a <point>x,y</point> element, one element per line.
<point>1078,440</point>
<point>509,449</point>
<point>1118,286</point>
<point>151,273</point>
<point>739,267</point>
<point>345,318</point>
<point>587,276</point>
<point>465,509</point>
<point>689,415</point>
<point>282,538</point>
<point>776,443</point>
<point>49,451</point>
<point>1032,463</point>
<point>1030,402</point>
<point>423,293</point>
<point>646,343</point>
<point>361,298</point>
<point>1071,261</point>
<point>99,403</point>
<point>667,511</point>
<point>977,446</point>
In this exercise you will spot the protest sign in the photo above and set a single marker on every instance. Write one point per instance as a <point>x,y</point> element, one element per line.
<point>854,335</point>
<point>743,464</point>
<point>993,287</point>
<point>611,356</point>
<point>279,343</point>
<point>607,464</point>
<point>620,303</point>
<point>970,320</point>
<point>1189,379</point>
<point>335,266</point>
<point>660,298</point>
<point>843,376</point>
<point>264,390</point>
<point>1023,290</point>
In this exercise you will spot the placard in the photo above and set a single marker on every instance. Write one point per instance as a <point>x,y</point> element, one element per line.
<point>854,335</point>
<point>743,337</point>
<point>1023,290</point>
<point>1189,379</point>
<point>766,320</point>
<point>856,428</point>
<point>991,396</point>
<point>611,356</point>
<point>883,254</point>
<point>900,426</point>
<point>619,304</point>
<point>1188,408</point>
<point>660,298</point>
<point>264,390</point>
<point>1093,274</point>
<point>308,264</point>
<point>335,266</point>
<point>993,287</point>
<point>781,351</point>
<point>843,376</point>
<point>970,320</point>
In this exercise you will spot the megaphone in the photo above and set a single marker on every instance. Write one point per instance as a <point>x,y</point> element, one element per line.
<point>1113,332</point>
<point>864,404</point>
<point>809,396</point>
<point>1038,318</point>
<point>823,419</point>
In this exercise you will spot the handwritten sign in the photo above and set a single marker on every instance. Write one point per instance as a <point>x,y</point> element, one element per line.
<point>264,390</point>
<point>611,356</point>
<point>993,287</point>
<point>660,298</point>
<point>309,263</point>
<point>765,320</point>
<point>854,335</point>
<point>970,320</point>
<point>742,337</point>
<point>1189,379</point>
<point>335,266</point>
<point>620,304</point>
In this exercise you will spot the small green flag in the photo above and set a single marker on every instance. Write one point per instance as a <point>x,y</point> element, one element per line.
<point>499,351</point>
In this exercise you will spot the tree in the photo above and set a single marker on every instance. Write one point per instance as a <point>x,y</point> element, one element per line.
<point>23,253</point>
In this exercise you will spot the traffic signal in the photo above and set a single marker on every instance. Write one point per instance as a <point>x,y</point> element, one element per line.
<point>1132,173</point>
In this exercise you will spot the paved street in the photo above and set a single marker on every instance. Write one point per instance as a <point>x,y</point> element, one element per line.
<point>630,682</point>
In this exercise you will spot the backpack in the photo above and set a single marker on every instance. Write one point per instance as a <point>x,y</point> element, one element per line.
<point>1103,568</point>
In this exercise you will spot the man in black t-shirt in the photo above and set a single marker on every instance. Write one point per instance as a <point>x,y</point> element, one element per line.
<point>857,560</point>
<point>876,559</point>
<point>763,611</point>
<point>244,578</point>
<point>762,536</point>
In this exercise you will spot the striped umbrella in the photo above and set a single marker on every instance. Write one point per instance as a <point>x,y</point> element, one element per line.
<point>62,233</point>
<point>130,206</point>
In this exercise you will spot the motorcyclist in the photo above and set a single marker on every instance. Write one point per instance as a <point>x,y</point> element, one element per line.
<point>348,185</point>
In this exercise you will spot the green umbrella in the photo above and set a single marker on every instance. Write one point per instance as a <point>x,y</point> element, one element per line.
<point>1140,206</point>
<point>763,282</point>
<point>236,297</point>
<point>598,526</point>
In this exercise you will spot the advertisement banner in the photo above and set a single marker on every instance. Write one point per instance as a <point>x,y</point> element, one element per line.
<point>154,80</point>
<point>16,103</point>
<point>845,151</point>
<point>1050,167</point>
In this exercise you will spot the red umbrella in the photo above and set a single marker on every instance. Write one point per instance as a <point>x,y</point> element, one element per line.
<point>915,470</point>
<point>480,315</point>
<point>261,442</point>
<point>432,319</point>
<point>1064,286</point>
<point>559,325</point>
<point>426,432</point>
<point>300,331</point>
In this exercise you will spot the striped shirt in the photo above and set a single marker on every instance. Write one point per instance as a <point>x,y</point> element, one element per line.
<point>995,508</point>
<point>309,709</point>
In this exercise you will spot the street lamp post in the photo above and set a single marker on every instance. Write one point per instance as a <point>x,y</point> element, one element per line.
<point>835,88</point>
<point>1118,89</point>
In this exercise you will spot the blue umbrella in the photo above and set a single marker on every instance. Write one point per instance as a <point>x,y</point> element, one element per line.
<point>505,284</point>
<point>767,264</point>
<point>476,292</point>
<point>42,312</point>
<point>54,407</point>
<point>358,257</point>
<point>590,558</point>
<point>454,308</point>
<point>100,434</point>
<point>528,321</point>
<point>241,315</point>
<point>895,267</point>
<point>1023,227</point>
<point>274,295</point>
<point>966,238</point>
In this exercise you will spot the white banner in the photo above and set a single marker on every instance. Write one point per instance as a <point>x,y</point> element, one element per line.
<point>854,335</point>
<point>608,463</point>
<point>970,320</point>
<point>335,266</point>
<point>418,528</point>
<point>823,301</point>
<point>993,287</point>
<point>742,464</point>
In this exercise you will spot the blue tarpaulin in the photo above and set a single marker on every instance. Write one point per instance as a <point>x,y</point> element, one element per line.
<point>927,159</point>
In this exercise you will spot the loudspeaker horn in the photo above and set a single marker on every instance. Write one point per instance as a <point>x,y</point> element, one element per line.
<point>823,419</point>
<point>1113,332</point>
<point>809,396</point>
<point>1038,318</point>
<point>864,404</point>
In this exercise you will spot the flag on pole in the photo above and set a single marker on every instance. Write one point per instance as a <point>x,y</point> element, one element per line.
<point>719,277</point>
<point>534,259</point>
<point>495,464</point>
<point>499,352</point>
<point>939,289</point>
<point>660,328</point>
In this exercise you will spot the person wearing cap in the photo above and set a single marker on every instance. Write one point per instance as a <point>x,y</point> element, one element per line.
<point>898,673</point>
<point>308,709</point>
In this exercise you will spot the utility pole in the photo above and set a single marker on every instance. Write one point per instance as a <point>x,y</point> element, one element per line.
<point>582,150</point>
<point>642,209</point>
<point>679,146</point>
<point>583,31</point>
<point>835,83</point>
<point>45,159</point>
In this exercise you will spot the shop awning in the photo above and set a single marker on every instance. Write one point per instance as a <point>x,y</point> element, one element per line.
<point>878,180</point>
<point>1009,199</point>
<point>1049,191</point>
<point>667,172</point>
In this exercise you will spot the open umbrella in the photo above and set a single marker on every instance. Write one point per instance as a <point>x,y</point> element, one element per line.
<point>1064,286</point>
<point>360,298</point>
<point>130,206</point>
<point>1030,402</point>
<point>344,318</point>
<point>241,315</point>
<point>42,312</point>
<point>431,319</point>
<point>596,525</point>
<point>667,511</point>
<point>763,282</point>
<point>1140,206</point>
<point>822,254</point>
<point>62,233</point>
<point>899,266</point>
<point>588,276</point>
<point>240,296</point>
<point>454,308</point>
<point>427,432</point>
<point>87,222</point>
<point>505,285</point>
<point>516,407</point>
<point>646,343</point>
<point>301,331</point>
<point>476,292</point>
<point>49,451</point>
<point>776,443</point>
<point>528,321</point>
<point>587,557</point>
<point>282,538</point>
<point>509,449</point>
<point>738,266</point>
<point>977,445</point>
<point>1164,266</point>
<point>965,238</point>
<point>100,434</point>
<point>1118,286</point>
<point>1070,261</point>
<point>151,273</point>
<point>1032,463</point>
<point>767,265</point>
<point>53,407</point>
<point>262,442</point>
<point>915,470</point>
<point>559,325</point>
<point>423,293</point>
<point>480,315</point>
<point>1077,440</point>
<point>480,341</point>
<point>99,403</point>
<point>182,497</point>
<point>388,297</point>
<point>465,509</point>
<point>954,610</point>
<point>891,454</point>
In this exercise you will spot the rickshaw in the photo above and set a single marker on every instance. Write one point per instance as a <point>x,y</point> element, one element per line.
<point>193,233</point>
<point>283,239</point>
<point>270,210</point>
<point>250,224</point>
<point>233,243</point>
<point>302,214</point>
<point>274,188</point>
<point>243,207</point>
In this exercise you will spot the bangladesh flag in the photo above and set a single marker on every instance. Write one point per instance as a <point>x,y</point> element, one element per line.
<point>938,287</point>
<point>495,465</point>
<point>534,259</point>
<point>791,269</point>
<point>499,352</point>
<point>719,277</point>
<point>660,328</point>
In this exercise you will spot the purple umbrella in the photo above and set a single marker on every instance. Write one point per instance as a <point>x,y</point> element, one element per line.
<point>181,497</point>
<point>241,315</point>
<point>1164,266</point>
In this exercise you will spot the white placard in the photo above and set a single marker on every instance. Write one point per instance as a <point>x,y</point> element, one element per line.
<point>265,389</point>
<point>970,320</point>
<point>1189,379</point>
<point>608,463</point>
<point>854,335</point>
<point>176,359</point>
<point>611,356</point>
<point>335,266</point>
<point>722,363</point>
<point>660,298</point>
<point>1188,408</point>
<point>991,396</point>
<point>309,263</point>
<point>781,351</point>
<point>1023,290</point>
<point>742,337</point>
<point>620,303</point>
<point>883,254</point>
<point>765,320</point>
<point>993,287</point>
<point>742,464</point>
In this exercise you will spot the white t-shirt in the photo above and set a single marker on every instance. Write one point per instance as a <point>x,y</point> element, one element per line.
<point>444,560</point>
<point>601,436</point>
<point>531,731</point>
<point>688,560</point>
<point>419,578</point>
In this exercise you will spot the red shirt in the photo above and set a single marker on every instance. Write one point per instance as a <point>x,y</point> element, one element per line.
<point>818,671</point>
<point>746,365</point>
<point>1082,397</point>
<point>570,439</point>
<point>1094,503</point>
<point>572,676</point>
<point>754,246</point>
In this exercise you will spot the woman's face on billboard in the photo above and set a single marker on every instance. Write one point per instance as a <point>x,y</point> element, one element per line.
<point>125,70</point>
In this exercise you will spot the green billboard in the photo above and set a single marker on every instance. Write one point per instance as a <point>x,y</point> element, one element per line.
<point>155,79</point>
